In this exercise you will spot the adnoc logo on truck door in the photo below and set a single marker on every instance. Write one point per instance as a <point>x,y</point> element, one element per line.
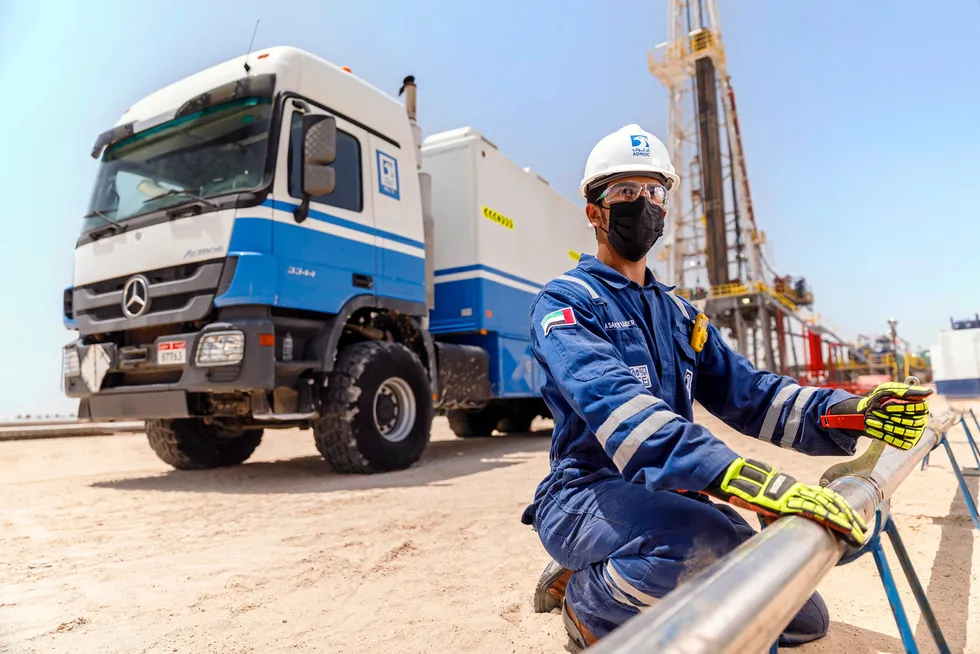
<point>388,175</point>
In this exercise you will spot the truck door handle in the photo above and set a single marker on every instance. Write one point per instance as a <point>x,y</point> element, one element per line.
<point>362,281</point>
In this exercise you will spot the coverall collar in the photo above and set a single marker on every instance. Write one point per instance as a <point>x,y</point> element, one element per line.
<point>596,268</point>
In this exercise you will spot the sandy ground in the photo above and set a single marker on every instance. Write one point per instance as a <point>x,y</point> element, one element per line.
<point>105,549</point>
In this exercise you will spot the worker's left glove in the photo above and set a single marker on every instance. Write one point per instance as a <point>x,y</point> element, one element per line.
<point>895,413</point>
<point>758,487</point>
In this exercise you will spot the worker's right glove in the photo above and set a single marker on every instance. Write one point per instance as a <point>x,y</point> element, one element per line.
<point>758,487</point>
<point>894,413</point>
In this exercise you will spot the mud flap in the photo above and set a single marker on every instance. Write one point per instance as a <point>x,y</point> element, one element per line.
<point>464,376</point>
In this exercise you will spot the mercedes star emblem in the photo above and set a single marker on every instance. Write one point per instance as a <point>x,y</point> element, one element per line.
<point>136,296</point>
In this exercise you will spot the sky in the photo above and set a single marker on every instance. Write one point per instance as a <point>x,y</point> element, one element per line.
<point>860,123</point>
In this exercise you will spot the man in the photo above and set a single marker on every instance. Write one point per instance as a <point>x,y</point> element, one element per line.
<point>623,511</point>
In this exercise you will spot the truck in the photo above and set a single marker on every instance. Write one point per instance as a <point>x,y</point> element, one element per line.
<point>270,244</point>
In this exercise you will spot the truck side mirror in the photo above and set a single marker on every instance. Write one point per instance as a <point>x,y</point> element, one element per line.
<point>319,151</point>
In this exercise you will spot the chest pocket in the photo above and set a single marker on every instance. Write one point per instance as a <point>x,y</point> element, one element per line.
<point>687,358</point>
<point>632,345</point>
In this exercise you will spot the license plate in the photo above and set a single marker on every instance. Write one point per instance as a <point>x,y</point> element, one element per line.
<point>172,353</point>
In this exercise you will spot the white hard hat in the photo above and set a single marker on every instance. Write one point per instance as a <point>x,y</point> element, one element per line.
<point>628,151</point>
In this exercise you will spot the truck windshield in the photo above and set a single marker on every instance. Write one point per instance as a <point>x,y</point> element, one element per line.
<point>213,152</point>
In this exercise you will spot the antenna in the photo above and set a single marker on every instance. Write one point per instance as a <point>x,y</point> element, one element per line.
<point>250,43</point>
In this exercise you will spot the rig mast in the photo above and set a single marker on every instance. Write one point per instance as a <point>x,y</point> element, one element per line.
<point>713,247</point>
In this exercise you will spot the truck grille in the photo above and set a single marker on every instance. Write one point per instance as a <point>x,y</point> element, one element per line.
<point>177,294</point>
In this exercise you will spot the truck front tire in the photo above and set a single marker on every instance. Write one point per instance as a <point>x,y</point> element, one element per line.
<point>190,444</point>
<point>377,412</point>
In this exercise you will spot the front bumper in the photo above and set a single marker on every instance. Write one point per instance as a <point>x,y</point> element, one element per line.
<point>115,382</point>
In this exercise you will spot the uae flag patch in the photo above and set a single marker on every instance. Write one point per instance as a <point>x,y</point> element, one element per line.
<point>561,318</point>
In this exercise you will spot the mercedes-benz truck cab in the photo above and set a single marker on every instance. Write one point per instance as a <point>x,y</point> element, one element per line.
<point>259,252</point>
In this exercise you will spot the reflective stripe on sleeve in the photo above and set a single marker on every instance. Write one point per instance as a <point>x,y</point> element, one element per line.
<point>623,412</point>
<point>574,280</point>
<point>796,416</point>
<point>628,448</point>
<point>772,415</point>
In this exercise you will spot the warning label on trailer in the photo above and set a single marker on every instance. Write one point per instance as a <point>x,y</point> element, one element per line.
<point>498,218</point>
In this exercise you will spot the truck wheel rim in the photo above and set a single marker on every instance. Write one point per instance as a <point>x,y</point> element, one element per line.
<point>396,417</point>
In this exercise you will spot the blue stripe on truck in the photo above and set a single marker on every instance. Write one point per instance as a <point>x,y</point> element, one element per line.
<point>475,267</point>
<point>279,205</point>
<point>317,276</point>
<point>462,306</point>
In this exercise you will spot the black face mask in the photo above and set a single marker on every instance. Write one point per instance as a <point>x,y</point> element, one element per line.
<point>634,227</point>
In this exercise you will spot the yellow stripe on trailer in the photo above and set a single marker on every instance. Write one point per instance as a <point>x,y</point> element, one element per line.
<point>498,218</point>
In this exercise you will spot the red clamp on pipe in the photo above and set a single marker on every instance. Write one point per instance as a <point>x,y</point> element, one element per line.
<point>853,421</point>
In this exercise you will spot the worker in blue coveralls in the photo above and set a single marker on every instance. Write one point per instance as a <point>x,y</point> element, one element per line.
<point>624,511</point>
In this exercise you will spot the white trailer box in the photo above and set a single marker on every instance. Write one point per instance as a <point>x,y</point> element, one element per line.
<point>501,233</point>
<point>956,363</point>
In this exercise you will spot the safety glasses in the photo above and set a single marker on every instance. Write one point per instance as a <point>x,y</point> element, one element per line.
<point>628,191</point>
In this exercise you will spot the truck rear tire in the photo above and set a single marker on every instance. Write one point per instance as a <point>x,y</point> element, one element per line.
<point>190,444</point>
<point>520,413</point>
<point>516,423</point>
<point>377,412</point>
<point>473,424</point>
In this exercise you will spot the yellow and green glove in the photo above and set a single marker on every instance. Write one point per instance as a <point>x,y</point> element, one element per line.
<point>758,487</point>
<point>895,413</point>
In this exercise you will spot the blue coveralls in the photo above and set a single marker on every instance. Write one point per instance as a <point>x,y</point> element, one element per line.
<point>620,379</point>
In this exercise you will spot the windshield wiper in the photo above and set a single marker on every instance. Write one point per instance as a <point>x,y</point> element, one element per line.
<point>114,225</point>
<point>178,191</point>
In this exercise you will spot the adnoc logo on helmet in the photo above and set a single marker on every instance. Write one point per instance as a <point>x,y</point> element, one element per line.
<point>641,145</point>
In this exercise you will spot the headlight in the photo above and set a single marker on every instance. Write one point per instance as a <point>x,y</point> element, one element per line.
<point>220,349</point>
<point>69,362</point>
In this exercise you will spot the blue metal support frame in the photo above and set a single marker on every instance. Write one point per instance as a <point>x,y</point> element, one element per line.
<point>962,473</point>
<point>974,449</point>
<point>920,594</point>
<point>891,590</point>
<point>973,444</point>
<point>685,616</point>
<point>885,524</point>
<point>971,504</point>
<point>874,546</point>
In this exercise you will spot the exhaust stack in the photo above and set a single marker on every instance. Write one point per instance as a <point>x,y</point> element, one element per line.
<point>425,190</point>
<point>409,89</point>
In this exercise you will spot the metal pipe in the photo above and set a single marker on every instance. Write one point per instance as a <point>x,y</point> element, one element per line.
<point>744,601</point>
<point>27,431</point>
